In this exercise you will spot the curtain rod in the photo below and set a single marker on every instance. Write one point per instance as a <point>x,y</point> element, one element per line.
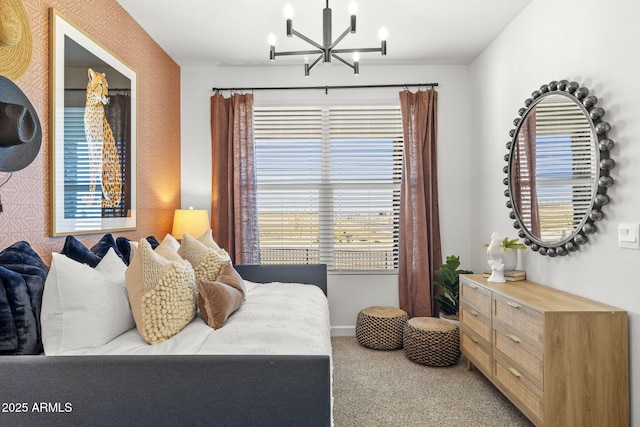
<point>325,88</point>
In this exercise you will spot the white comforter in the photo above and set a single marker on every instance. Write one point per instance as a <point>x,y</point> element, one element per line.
<point>276,318</point>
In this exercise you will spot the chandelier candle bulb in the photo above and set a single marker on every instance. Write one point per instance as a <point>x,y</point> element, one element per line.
<point>272,49</point>
<point>288,14</point>
<point>356,63</point>
<point>353,9</point>
<point>288,11</point>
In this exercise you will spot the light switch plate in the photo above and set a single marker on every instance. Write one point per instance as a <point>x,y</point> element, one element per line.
<point>629,235</point>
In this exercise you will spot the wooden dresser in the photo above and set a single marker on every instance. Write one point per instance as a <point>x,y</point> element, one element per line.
<point>561,359</point>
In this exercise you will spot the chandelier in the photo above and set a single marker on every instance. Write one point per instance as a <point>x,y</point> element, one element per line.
<point>327,49</point>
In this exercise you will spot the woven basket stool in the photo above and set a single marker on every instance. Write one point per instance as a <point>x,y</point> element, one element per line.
<point>431,341</point>
<point>381,327</point>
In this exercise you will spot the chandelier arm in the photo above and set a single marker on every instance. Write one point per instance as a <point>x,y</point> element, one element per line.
<point>339,39</point>
<point>307,39</point>
<point>314,63</point>
<point>353,67</point>
<point>361,50</point>
<point>299,52</point>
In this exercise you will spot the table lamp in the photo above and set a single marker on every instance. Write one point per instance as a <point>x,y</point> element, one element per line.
<point>191,221</point>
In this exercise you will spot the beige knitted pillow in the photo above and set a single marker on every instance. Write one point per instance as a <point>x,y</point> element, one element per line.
<point>207,240</point>
<point>206,261</point>
<point>168,248</point>
<point>162,294</point>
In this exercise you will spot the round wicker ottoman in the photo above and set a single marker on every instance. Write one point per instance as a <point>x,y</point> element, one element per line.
<point>381,327</point>
<point>431,341</point>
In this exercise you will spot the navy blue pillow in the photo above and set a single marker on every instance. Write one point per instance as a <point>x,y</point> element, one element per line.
<point>75,250</point>
<point>153,242</point>
<point>124,246</point>
<point>26,327</point>
<point>102,247</point>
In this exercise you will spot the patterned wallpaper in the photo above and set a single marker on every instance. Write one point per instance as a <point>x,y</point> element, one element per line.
<point>26,196</point>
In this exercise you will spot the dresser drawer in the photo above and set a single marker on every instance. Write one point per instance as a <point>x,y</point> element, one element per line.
<point>476,296</point>
<point>523,393</point>
<point>477,352</point>
<point>529,323</point>
<point>474,320</point>
<point>527,358</point>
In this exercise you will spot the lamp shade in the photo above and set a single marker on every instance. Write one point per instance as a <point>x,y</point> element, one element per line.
<point>191,221</point>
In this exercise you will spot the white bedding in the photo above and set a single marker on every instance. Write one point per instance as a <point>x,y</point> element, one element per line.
<point>276,318</point>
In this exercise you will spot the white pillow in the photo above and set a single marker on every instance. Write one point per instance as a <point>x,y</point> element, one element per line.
<point>84,307</point>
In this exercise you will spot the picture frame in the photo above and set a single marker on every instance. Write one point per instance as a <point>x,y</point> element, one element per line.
<point>92,134</point>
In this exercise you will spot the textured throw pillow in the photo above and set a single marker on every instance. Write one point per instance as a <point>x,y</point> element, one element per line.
<point>84,307</point>
<point>162,293</point>
<point>168,248</point>
<point>206,261</point>
<point>22,259</point>
<point>217,301</point>
<point>207,240</point>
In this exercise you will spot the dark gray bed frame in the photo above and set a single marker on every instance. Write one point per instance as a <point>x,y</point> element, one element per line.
<point>198,390</point>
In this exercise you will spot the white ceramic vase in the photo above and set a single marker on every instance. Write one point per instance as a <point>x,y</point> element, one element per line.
<point>510,259</point>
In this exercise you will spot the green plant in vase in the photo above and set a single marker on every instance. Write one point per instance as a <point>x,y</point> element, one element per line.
<point>447,279</point>
<point>512,244</point>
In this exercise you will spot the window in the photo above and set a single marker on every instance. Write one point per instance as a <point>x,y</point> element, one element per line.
<point>329,186</point>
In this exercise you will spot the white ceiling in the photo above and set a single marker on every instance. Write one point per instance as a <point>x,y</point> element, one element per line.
<point>234,32</point>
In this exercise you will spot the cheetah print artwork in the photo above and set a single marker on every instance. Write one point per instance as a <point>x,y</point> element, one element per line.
<point>104,163</point>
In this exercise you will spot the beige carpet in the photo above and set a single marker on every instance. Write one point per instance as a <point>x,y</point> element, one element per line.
<point>374,388</point>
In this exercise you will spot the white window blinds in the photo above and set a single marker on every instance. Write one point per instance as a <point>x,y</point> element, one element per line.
<point>565,168</point>
<point>329,185</point>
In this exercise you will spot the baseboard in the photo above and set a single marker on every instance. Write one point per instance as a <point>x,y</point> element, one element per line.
<point>343,331</point>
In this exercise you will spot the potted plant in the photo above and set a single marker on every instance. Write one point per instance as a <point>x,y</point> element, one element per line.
<point>447,279</point>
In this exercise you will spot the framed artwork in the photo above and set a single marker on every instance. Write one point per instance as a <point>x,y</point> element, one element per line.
<point>93,135</point>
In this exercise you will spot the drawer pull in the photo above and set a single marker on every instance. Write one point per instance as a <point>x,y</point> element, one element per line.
<point>514,372</point>
<point>473,286</point>
<point>473,312</point>
<point>513,304</point>
<point>474,339</point>
<point>514,338</point>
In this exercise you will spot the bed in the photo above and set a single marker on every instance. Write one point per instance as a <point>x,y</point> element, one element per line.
<point>175,389</point>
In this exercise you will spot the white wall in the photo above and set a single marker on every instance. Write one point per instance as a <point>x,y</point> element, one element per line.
<point>348,294</point>
<point>595,43</point>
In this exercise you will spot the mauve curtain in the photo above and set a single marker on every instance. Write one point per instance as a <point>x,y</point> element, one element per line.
<point>523,175</point>
<point>419,240</point>
<point>234,218</point>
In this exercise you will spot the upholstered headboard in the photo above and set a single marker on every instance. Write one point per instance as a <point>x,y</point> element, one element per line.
<point>311,274</point>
